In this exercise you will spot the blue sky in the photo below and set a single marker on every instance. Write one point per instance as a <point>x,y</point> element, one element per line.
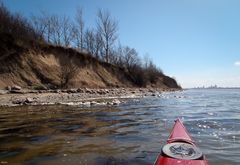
<point>196,41</point>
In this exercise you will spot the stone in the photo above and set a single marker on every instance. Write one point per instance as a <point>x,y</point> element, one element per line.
<point>88,90</point>
<point>153,94</point>
<point>2,92</point>
<point>80,90</point>
<point>151,90</point>
<point>18,101</point>
<point>116,102</point>
<point>16,87</point>
<point>72,91</point>
<point>17,91</point>
<point>101,92</point>
<point>93,103</point>
<point>29,100</point>
<point>57,91</point>
<point>86,103</point>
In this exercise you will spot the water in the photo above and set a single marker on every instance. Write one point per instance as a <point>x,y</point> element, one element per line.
<point>131,134</point>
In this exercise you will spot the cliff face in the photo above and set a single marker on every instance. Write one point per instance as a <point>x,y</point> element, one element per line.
<point>31,65</point>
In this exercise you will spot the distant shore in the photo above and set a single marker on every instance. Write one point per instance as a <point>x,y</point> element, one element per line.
<point>85,97</point>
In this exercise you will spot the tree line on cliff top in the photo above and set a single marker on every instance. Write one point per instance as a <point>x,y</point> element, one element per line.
<point>100,41</point>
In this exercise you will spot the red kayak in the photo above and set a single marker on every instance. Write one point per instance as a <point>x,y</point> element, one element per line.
<point>180,149</point>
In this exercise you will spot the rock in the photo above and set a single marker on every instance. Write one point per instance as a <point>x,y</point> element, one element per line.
<point>109,103</point>
<point>18,101</point>
<point>57,91</point>
<point>29,100</point>
<point>80,90</point>
<point>88,90</point>
<point>16,87</point>
<point>116,102</point>
<point>153,94</point>
<point>93,92</point>
<point>2,92</point>
<point>93,103</point>
<point>63,90</point>
<point>72,91</point>
<point>9,88</point>
<point>86,103</point>
<point>101,92</point>
<point>23,102</point>
<point>17,91</point>
<point>151,90</point>
<point>40,91</point>
<point>33,91</point>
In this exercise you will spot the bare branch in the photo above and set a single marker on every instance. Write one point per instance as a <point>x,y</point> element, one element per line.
<point>107,28</point>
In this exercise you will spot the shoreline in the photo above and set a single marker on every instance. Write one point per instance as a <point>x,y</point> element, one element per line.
<point>85,97</point>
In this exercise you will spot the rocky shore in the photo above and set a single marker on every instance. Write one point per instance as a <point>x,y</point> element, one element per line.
<point>15,96</point>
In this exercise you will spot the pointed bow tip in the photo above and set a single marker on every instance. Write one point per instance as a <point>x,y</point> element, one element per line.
<point>179,133</point>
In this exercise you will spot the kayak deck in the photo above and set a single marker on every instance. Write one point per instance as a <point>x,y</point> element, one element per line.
<point>180,149</point>
<point>172,161</point>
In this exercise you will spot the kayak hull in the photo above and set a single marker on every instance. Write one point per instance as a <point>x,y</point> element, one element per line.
<point>179,135</point>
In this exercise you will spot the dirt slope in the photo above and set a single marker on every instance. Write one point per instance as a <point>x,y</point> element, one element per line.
<point>32,65</point>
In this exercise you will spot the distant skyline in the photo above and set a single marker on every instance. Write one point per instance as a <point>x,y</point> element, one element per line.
<point>195,41</point>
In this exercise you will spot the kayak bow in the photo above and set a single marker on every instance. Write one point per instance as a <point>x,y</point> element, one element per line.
<point>180,149</point>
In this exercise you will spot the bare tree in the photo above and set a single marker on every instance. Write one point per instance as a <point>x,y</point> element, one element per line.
<point>107,28</point>
<point>78,30</point>
<point>57,29</point>
<point>119,55</point>
<point>66,31</point>
<point>52,27</point>
<point>90,41</point>
<point>93,43</point>
<point>98,45</point>
<point>130,58</point>
<point>39,25</point>
<point>4,18</point>
<point>43,23</point>
<point>16,24</point>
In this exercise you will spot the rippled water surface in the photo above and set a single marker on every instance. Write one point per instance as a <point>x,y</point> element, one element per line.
<point>132,133</point>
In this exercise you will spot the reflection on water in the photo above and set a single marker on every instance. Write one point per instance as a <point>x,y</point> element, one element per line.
<point>130,134</point>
